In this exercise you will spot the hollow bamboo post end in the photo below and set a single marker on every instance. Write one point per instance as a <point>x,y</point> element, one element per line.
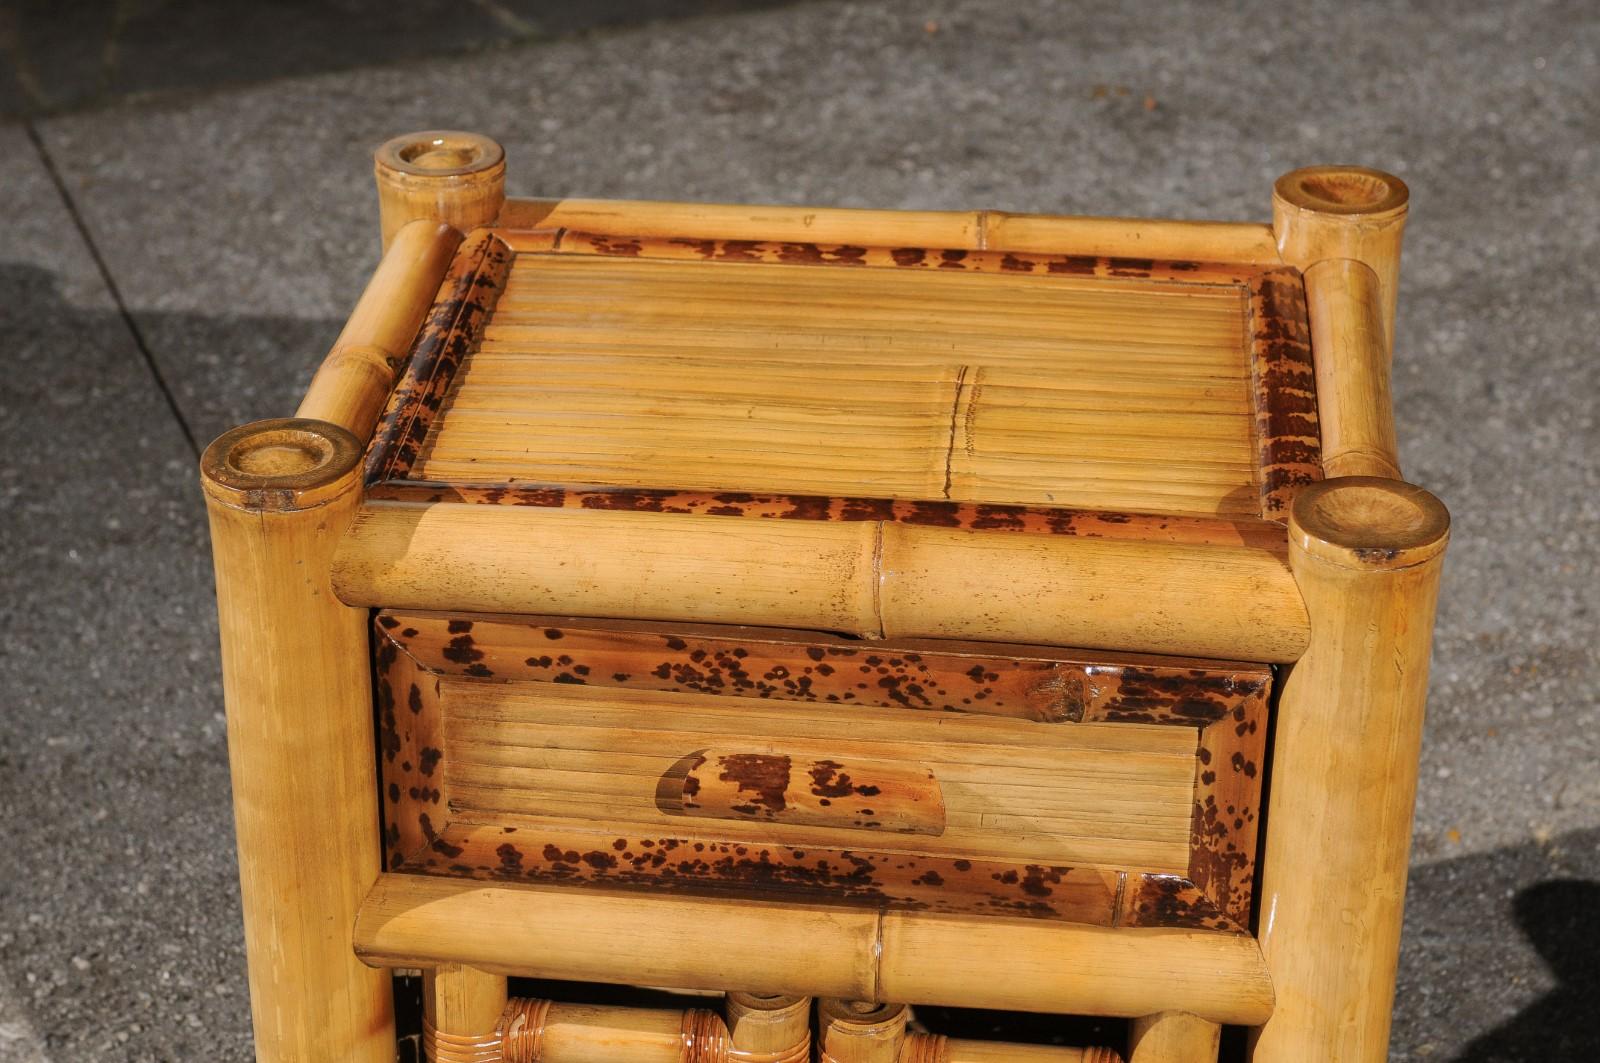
<point>1323,212</point>
<point>1368,524</point>
<point>446,175</point>
<point>285,464</point>
<point>1349,191</point>
<point>861,1031</point>
<point>775,1027</point>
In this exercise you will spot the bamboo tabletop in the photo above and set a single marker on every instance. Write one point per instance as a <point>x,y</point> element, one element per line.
<point>900,374</point>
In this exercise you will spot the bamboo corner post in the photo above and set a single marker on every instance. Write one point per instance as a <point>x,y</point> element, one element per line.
<point>441,175</point>
<point>769,1028</point>
<point>1173,1037</point>
<point>1366,553</point>
<point>860,1031</point>
<point>1327,212</point>
<point>300,743</point>
<point>462,1015</point>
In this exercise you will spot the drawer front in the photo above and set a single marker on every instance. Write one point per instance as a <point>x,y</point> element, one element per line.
<point>729,759</point>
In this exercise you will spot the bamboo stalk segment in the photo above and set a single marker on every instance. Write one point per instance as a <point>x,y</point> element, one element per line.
<point>644,565</point>
<point>770,1028</point>
<point>1344,303</point>
<point>580,1033</point>
<point>1218,602</point>
<point>1241,242</point>
<point>848,952</point>
<point>1323,212</point>
<point>297,686</point>
<point>440,175</point>
<point>928,1048</point>
<point>353,382</point>
<point>1158,238</point>
<point>462,1010</point>
<point>1020,965</point>
<point>860,1031</point>
<point>1367,554</point>
<point>621,217</point>
<point>616,937</point>
<point>1204,601</point>
<point>1173,1037</point>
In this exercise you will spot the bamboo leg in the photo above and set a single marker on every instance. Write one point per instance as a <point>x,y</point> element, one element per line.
<point>462,1008</point>
<point>1366,553</point>
<point>300,741</point>
<point>859,1031</point>
<point>439,175</point>
<point>1324,212</point>
<point>769,1028</point>
<point>1173,1037</point>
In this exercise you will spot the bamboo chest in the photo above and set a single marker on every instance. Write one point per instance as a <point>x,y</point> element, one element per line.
<point>880,609</point>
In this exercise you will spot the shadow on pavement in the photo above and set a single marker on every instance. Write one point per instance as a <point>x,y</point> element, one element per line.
<point>57,57</point>
<point>1561,920</point>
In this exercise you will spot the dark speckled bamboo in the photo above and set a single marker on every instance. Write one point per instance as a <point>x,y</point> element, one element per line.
<point>421,655</point>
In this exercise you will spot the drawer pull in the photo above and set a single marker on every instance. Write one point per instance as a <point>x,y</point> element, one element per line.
<point>871,795</point>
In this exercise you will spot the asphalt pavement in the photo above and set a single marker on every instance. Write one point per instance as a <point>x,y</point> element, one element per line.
<point>186,214</point>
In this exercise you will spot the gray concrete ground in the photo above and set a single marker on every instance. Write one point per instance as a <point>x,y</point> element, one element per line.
<point>237,222</point>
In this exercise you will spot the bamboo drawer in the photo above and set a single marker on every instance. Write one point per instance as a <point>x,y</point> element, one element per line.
<point>969,778</point>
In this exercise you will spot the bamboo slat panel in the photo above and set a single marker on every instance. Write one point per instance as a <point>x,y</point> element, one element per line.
<point>1109,796</point>
<point>1093,392</point>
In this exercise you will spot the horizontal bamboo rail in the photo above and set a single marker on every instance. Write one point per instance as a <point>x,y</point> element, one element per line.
<point>930,1048</point>
<point>852,953</point>
<point>1344,303</point>
<point>1244,242</point>
<point>860,577</point>
<point>353,382</point>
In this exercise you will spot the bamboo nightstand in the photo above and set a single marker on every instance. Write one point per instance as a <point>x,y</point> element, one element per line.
<point>887,608</point>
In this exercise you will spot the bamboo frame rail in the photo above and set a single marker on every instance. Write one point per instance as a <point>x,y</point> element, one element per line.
<point>870,578</point>
<point>1243,242</point>
<point>1355,409</point>
<point>811,949</point>
<point>353,382</point>
<point>278,494</point>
